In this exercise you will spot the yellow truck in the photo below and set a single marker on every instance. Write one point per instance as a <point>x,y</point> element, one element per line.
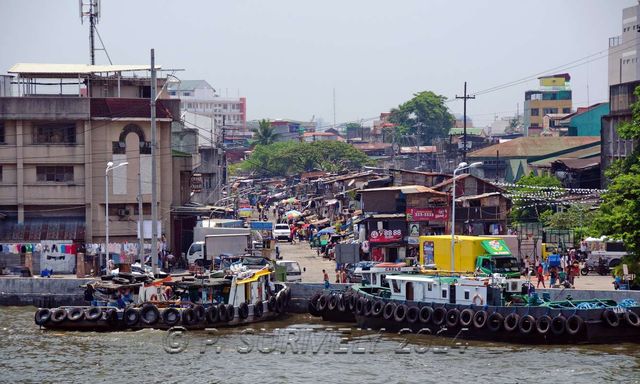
<point>486,255</point>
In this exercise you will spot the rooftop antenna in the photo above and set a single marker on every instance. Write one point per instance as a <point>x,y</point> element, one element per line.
<point>90,9</point>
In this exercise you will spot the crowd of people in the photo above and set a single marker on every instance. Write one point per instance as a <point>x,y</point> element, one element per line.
<point>559,270</point>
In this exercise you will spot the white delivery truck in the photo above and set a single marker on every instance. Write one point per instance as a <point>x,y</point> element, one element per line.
<point>195,253</point>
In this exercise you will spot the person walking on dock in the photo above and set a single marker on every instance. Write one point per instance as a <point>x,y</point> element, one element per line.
<point>540,274</point>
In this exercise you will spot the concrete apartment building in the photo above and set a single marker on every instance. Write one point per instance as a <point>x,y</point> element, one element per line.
<point>624,77</point>
<point>56,141</point>
<point>553,97</point>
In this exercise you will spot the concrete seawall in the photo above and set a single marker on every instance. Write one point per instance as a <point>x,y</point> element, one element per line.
<point>53,292</point>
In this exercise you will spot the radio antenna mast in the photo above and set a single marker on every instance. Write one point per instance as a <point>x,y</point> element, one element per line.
<point>90,9</point>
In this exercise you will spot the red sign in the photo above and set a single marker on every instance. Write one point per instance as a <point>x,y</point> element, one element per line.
<point>426,214</point>
<point>385,236</point>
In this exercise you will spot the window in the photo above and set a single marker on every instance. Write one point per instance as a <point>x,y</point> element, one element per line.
<point>396,286</point>
<point>58,174</point>
<point>546,111</point>
<point>186,93</point>
<point>566,110</point>
<point>535,112</point>
<point>0,173</point>
<point>172,93</point>
<point>55,133</point>
<point>429,286</point>
<point>466,295</point>
<point>444,293</point>
<point>2,132</point>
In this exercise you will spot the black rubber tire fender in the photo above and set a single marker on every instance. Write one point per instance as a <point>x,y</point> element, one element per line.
<point>400,314</point>
<point>453,317</point>
<point>258,309</point>
<point>189,316</point>
<point>439,316</point>
<point>368,307</point>
<point>466,317</point>
<point>212,314</point>
<point>149,314</point>
<point>558,325</point>
<point>543,324</point>
<point>611,318</point>
<point>171,316</point>
<point>413,313</point>
<point>93,313</point>
<point>271,304</point>
<point>360,306</point>
<point>231,311</point>
<point>389,311</point>
<point>333,302</point>
<point>111,315</point>
<point>376,309</point>
<point>42,316</point>
<point>243,310</point>
<point>342,303</point>
<point>495,321</point>
<point>222,312</point>
<point>511,322</point>
<point>353,300</point>
<point>526,324</point>
<point>131,316</point>
<point>279,302</point>
<point>574,324</point>
<point>201,313</point>
<point>75,314</point>
<point>632,318</point>
<point>425,314</point>
<point>323,301</point>
<point>480,319</point>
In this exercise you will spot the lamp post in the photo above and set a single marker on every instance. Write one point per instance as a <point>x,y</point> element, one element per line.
<point>110,167</point>
<point>461,167</point>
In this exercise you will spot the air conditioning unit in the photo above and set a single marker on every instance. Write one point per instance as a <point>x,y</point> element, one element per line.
<point>123,212</point>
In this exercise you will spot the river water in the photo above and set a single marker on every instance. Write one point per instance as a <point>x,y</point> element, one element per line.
<point>298,349</point>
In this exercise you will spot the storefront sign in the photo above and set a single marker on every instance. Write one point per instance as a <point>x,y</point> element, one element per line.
<point>414,229</point>
<point>426,214</point>
<point>385,236</point>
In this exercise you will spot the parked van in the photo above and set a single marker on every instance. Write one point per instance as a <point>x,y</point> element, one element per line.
<point>281,231</point>
<point>294,272</point>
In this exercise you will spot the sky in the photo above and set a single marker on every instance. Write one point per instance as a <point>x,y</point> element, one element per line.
<point>287,56</point>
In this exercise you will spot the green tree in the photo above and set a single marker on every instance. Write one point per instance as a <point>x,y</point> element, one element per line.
<point>619,213</point>
<point>532,195</point>
<point>425,115</point>
<point>265,134</point>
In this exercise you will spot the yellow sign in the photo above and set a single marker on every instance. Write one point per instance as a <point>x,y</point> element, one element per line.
<point>552,82</point>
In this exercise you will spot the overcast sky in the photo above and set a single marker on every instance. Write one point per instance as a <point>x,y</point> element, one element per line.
<point>287,56</point>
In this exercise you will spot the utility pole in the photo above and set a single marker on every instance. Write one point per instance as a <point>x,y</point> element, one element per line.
<point>334,108</point>
<point>140,222</point>
<point>154,192</point>
<point>464,122</point>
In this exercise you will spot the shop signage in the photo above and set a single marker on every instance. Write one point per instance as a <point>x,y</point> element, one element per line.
<point>385,236</point>
<point>426,214</point>
<point>196,183</point>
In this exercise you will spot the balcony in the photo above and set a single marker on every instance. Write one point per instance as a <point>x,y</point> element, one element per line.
<point>44,108</point>
<point>614,41</point>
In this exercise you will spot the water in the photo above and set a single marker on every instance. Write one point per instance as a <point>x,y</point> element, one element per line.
<point>28,354</point>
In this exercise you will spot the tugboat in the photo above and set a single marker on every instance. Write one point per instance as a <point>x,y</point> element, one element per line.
<point>240,297</point>
<point>490,308</point>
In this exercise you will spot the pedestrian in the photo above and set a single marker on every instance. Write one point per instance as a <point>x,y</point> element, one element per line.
<point>540,275</point>
<point>343,276</point>
<point>553,275</point>
<point>325,278</point>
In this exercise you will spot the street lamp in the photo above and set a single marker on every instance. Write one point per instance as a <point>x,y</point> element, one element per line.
<point>110,167</point>
<point>461,167</point>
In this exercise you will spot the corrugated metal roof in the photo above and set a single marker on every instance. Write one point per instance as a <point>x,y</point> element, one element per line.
<point>476,197</point>
<point>406,189</point>
<point>585,153</point>
<point>188,85</point>
<point>535,146</point>
<point>74,69</point>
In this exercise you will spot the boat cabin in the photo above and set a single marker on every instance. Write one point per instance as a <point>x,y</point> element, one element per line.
<point>376,274</point>
<point>433,289</point>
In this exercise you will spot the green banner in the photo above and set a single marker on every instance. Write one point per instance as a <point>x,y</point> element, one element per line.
<point>496,247</point>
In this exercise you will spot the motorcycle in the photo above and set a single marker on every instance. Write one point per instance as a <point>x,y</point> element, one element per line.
<point>601,269</point>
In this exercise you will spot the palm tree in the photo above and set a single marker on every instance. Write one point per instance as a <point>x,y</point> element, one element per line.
<point>265,133</point>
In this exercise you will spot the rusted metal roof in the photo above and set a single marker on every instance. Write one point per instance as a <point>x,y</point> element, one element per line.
<point>535,146</point>
<point>407,189</point>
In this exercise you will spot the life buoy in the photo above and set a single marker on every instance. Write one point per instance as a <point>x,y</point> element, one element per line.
<point>574,324</point>
<point>212,314</point>
<point>389,311</point>
<point>149,314</point>
<point>258,309</point>
<point>526,324</point>
<point>480,319</point>
<point>400,313</point>
<point>453,317</point>
<point>75,314</point>
<point>425,314</point>
<point>632,318</point>
<point>376,309</point>
<point>243,310</point>
<point>93,313</point>
<point>189,316</point>
<point>222,311</point>
<point>42,316</point>
<point>170,316</point>
<point>558,325</point>
<point>477,300</point>
<point>543,324</point>
<point>511,322</point>
<point>494,321</point>
<point>439,315</point>
<point>131,317</point>
<point>611,318</point>
<point>412,314</point>
<point>466,317</point>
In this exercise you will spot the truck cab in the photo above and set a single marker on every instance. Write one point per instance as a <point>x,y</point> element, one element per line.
<point>506,266</point>
<point>195,253</point>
